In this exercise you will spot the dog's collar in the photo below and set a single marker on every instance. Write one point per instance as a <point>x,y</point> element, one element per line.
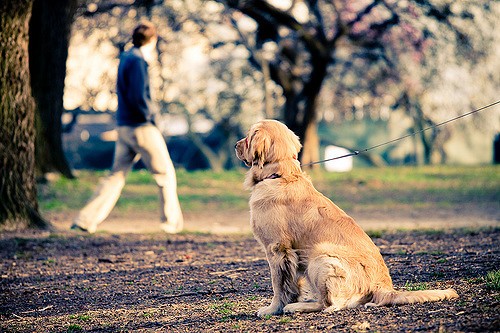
<point>272,176</point>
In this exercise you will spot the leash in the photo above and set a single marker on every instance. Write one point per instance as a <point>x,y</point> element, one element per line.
<point>361,151</point>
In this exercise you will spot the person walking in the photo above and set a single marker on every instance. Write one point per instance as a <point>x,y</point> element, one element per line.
<point>138,138</point>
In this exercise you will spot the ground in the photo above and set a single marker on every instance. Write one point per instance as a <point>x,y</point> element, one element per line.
<point>212,282</point>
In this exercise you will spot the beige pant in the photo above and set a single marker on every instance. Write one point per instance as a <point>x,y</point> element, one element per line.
<point>145,142</point>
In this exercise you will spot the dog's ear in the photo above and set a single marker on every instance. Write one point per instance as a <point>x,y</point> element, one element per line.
<point>259,147</point>
<point>296,143</point>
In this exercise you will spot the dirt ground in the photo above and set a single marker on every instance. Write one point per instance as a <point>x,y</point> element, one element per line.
<point>197,282</point>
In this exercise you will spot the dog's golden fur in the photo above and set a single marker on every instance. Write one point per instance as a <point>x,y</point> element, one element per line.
<point>319,258</point>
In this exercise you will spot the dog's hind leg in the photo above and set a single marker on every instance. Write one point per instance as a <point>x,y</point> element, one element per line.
<point>283,263</point>
<point>307,300</point>
<point>306,293</point>
<point>303,307</point>
<point>327,279</point>
<point>328,276</point>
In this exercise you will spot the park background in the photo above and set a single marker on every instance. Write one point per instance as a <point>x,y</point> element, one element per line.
<point>220,66</point>
<point>352,74</point>
<point>343,74</point>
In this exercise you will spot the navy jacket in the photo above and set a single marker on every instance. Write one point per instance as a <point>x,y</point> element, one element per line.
<point>135,106</point>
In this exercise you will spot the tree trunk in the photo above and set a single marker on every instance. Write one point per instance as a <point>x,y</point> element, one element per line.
<point>213,160</point>
<point>310,150</point>
<point>302,121</point>
<point>268,97</point>
<point>18,197</point>
<point>49,35</point>
<point>427,139</point>
<point>301,110</point>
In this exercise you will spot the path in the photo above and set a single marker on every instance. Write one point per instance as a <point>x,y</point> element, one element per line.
<point>237,222</point>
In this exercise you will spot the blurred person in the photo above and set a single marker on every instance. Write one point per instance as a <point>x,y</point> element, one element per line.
<point>138,137</point>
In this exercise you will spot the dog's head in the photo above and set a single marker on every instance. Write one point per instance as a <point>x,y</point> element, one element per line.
<point>267,141</point>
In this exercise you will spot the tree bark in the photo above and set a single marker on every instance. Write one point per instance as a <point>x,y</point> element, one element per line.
<point>18,196</point>
<point>49,34</point>
<point>427,139</point>
<point>310,149</point>
<point>301,108</point>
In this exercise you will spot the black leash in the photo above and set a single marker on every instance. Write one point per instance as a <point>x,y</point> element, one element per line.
<point>361,151</point>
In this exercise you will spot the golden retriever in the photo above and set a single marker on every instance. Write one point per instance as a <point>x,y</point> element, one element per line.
<point>319,258</point>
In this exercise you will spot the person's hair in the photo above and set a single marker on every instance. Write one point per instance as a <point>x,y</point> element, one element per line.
<point>143,33</point>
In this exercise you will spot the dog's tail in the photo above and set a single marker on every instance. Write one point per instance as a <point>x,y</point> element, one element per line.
<point>388,297</point>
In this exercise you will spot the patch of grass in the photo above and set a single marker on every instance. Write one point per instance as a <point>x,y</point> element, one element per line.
<point>430,232</point>
<point>410,286</point>
<point>50,261</point>
<point>74,328</point>
<point>80,317</point>
<point>375,233</point>
<point>434,253</point>
<point>224,308</point>
<point>147,314</point>
<point>285,320</point>
<point>493,280</point>
<point>426,187</point>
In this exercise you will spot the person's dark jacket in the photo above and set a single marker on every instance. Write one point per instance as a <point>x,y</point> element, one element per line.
<point>135,106</point>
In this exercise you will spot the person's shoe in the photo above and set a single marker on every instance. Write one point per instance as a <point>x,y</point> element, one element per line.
<point>170,228</point>
<point>77,227</point>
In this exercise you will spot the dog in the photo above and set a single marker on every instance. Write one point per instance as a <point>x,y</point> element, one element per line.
<point>319,258</point>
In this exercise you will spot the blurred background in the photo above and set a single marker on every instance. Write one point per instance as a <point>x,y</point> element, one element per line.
<point>341,74</point>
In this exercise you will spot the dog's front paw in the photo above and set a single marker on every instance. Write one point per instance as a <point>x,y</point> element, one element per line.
<point>269,311</point>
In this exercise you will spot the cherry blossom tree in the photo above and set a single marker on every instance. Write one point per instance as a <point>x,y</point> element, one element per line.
<point>369,53</point>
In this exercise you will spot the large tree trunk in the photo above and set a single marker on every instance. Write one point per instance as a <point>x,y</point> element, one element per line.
<point>49,35</point>
<point>18,198</point>
<point>301,110</point>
